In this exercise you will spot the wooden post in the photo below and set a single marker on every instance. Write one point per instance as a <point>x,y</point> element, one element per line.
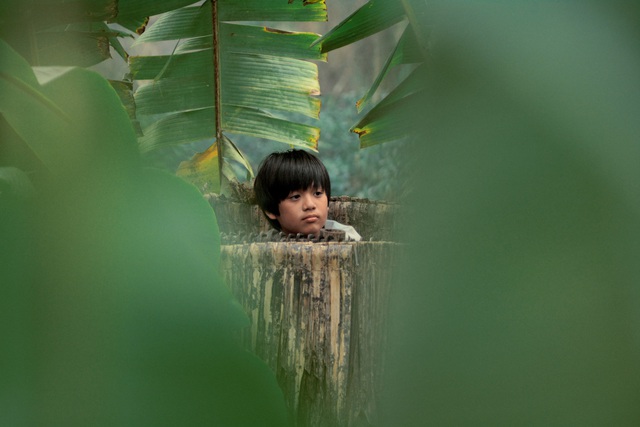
<point>318,310</point>
<point>318,315</point>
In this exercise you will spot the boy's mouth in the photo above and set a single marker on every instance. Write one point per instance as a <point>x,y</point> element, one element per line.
<point>310,218</point>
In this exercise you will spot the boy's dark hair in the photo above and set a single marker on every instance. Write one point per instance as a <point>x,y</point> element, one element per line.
<point>282,173</point>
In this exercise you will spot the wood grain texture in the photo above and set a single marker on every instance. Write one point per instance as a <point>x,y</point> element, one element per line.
<point>318,313</point>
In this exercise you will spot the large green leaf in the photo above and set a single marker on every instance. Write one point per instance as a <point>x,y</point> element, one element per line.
<point>385,121</point>
<point>405,52</point>
<point>521,303</point>
<point>65,114</point>
<point>109,254</point>
<point>248,83</point>
<point>264,78</point>
<point>373,17</point>
<point>15,182</point>
<point>63,32</point>
<point>50,13</point>
<point>59,32</point>
<point>132,13</point>
<point>390,119</point>
<point>74,46</point>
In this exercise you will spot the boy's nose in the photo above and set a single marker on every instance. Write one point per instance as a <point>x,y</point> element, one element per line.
<point>308,203</point>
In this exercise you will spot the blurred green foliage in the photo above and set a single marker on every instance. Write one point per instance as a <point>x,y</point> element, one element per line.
<point>111,308</point>
<point>518,302</point>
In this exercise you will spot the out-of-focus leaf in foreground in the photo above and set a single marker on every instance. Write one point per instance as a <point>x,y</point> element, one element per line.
<point>521,302</point>
<point>111,308</point>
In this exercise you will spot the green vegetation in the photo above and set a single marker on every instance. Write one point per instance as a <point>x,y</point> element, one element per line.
<point>224,78</point>
<point>379,172</point>
<point>112,309</point>
<point>517,303</point>
<point>520,301</point>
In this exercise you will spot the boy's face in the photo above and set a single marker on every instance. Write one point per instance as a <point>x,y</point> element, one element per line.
<point>303,211</point>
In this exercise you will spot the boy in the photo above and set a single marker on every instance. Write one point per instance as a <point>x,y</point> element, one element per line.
<point>293,190</point>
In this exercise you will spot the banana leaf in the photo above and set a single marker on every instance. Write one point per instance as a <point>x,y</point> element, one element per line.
<point>227,78</point>
<point>371,18</point>
<point>78,33</point>
<point>385,121</point>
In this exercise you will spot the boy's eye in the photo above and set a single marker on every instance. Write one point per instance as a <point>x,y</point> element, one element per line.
<point>294,196</point>
<point>318,193</point>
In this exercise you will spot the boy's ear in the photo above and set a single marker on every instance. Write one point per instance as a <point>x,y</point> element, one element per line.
<point>270,215</point>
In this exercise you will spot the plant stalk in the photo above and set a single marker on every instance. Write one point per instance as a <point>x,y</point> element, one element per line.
<point>216,83</point>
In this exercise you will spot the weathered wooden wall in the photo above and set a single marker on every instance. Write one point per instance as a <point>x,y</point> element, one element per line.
<point>318,310</point>
<point>318,315</point>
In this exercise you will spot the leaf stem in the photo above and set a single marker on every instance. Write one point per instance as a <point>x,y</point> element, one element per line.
<point>216,82</point>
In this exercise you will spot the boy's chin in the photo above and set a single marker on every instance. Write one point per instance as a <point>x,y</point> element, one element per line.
<point>305,231</point>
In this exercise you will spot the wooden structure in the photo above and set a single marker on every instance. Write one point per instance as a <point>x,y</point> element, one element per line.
<point>374,220</point>
<point>318,315</point>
